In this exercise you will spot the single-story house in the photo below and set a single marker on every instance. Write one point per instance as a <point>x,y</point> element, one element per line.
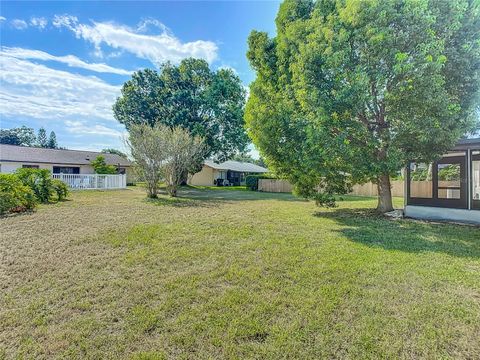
<point>228,172</point>
<point>448,189</point>
<point>58,161</point>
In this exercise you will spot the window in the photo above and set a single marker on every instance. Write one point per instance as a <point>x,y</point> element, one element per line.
<point>421,181</point>
<point>30,166</point>
<point>449,181</point>
<point>476,175</point>
<point>66,170</point>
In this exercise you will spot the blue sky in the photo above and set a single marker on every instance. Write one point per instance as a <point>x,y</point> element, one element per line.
<point>63,63</point>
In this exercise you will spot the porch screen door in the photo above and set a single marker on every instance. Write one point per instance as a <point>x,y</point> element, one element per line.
<point>476,180</point>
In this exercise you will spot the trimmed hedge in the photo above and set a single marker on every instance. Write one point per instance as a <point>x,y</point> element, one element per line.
<point>14,196</point>
<point>251,181</point>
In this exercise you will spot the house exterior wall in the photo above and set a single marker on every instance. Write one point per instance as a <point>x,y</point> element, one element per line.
<point>8,167</point>
<point>202,178</point>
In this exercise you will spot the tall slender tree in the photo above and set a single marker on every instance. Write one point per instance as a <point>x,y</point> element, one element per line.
<point>350,91</point>
<point>52,140</point>
<point>42,138</point>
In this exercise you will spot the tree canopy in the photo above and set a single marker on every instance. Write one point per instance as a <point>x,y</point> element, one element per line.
<point>22,136</point>
<point>114,151</point>
<point>245,157</point>
<point>164,153</point>
<point>100,166</point>
<point>350,91</point>
<point>206,103</point>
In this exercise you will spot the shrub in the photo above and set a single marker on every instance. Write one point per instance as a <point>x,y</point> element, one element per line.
<point>101,167</point>
<point>14,196</point>
<point>60,189</point>
<point>39,180</point>
<point>251,181</point>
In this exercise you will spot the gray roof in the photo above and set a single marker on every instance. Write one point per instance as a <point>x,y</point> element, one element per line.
<point>56,156</point>
<point>465,144</point>
<point>236,166</point>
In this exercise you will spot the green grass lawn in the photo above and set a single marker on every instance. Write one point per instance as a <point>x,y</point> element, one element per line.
<point>234,274</point>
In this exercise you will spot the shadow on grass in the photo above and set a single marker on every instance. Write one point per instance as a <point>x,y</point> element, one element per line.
<point>219,194</point>
<point>369,228</point>
<point>354,198</point>
<point>192,196</point>
<point>165,200</point>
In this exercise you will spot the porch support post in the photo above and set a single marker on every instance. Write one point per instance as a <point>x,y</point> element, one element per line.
<point>469,179</point>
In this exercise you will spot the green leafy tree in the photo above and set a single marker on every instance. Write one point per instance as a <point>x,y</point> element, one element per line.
<point>101,167</point>
<point>114,151</point>
<point>261,162</point>
<point>52,141</point>
<point>350,91</point>
<point>206,103</point>
<point>244,157</point>
<point>42,138</point>
<point>22,136</point>
<point>165,153</point>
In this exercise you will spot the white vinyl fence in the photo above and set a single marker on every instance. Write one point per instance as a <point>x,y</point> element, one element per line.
<point>93,181</point>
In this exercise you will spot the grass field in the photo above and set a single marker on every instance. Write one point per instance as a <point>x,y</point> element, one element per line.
<point>234,274</point>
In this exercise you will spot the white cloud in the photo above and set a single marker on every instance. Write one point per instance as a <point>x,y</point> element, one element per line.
<point>70,60</point>
<point>83,128</point>
<point>64,20</point>
<point>155,48</point>
<point>144,25</point>
<point>37,91</point>
<point>19,24</point>
<point>39,22</point>
<point>2,18</point>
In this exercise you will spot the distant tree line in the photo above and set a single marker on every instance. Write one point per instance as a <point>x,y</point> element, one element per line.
<point>114,151</point>
<point>243,157</point>
<point>25,136</point>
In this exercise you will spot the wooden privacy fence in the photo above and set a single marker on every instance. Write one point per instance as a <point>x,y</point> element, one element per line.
<point>368,189</point>
<point>274,185</point>
<point>92,181</point>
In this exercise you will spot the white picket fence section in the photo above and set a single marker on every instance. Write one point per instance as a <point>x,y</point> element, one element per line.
<point>92,181</point>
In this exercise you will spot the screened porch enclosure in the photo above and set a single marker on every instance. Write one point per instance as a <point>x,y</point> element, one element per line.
<point>453,182</point>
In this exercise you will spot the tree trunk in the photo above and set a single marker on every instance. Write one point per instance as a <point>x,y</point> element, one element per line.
<point>152,193</point>
<point>172,190</point>
<point>384,194</point>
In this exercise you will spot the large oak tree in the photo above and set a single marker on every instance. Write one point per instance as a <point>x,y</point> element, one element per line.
<point>207,103</point>
<point>351,90</point>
